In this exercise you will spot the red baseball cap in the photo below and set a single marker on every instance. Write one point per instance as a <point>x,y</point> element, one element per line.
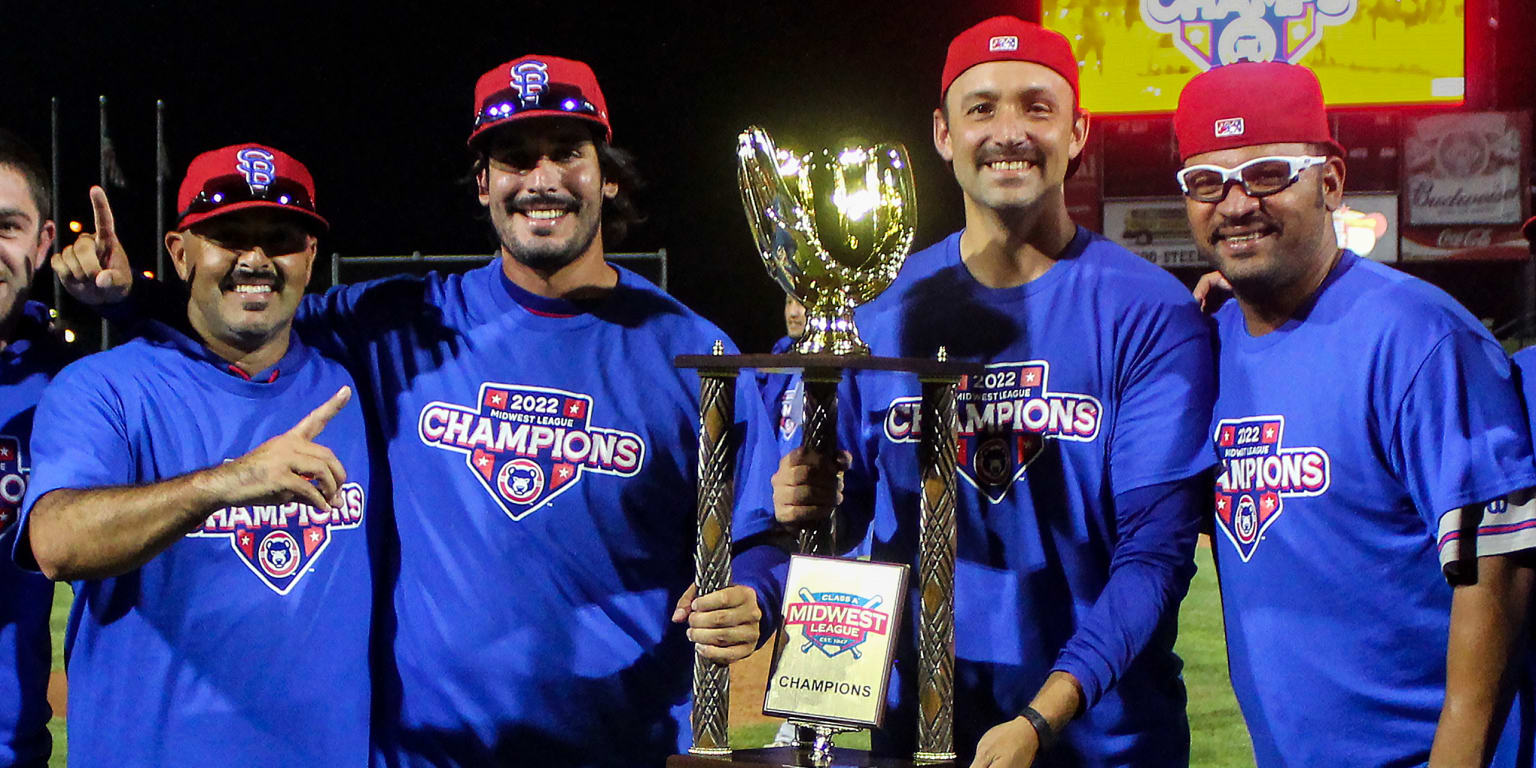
<point>1250,103</point>
<point>538,86</point>
<point>1529,230</point>
<point>1009,38</point>
<point>244,176</point>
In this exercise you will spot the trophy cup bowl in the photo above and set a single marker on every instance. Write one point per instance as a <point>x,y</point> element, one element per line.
<point>833,228</point>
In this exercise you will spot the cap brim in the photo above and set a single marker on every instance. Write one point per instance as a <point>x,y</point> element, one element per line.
<point>1529,229</point>
<point>196,218</point>
<point>532,113</point>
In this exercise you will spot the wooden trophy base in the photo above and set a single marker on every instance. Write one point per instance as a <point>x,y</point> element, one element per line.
<point>792,757</point>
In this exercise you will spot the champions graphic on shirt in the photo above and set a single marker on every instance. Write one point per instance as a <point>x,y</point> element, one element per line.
<point>528,445</point>
<point>279,542</point>
<point>836,622</point>
<point>1005,416</point>
<point>13,480</point>
<point>1257,475</point>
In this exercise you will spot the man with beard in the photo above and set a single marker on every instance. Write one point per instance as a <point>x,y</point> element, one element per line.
<point>543,454</point>
<point>1372,550</point>
<point>29,357</point>
<point>1081,449</point>
<point>205,492</point>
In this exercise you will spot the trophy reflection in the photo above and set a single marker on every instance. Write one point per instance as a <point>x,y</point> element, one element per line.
<point>833,228</point>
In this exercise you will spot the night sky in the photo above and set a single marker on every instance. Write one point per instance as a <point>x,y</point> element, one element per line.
<point>377,99</point>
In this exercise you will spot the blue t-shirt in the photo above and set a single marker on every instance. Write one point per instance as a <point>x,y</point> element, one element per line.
<point>543,456</point>
<point>783,396</point>
<point>1349,444</point>
<point>1098,383</point>
<point>246,642</point>
<point>26,365</point>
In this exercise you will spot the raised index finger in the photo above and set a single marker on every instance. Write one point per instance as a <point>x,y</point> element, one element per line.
<point>106,227</point>
<point>310,426</point>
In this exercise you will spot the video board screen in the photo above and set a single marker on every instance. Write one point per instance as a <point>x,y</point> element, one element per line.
<point>1135,55</point>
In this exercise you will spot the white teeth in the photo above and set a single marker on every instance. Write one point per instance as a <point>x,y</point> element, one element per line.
<point>253,289</point>
<point>549,214</point>
<point>1008,165</point>
<point>1248,238</point>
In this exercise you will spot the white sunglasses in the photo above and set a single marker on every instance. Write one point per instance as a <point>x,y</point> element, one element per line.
<point>1260,177</point>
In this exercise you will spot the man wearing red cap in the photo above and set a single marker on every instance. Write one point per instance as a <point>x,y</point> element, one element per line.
<point>1370,432</point>
<point>542,452</point>
<point>204,487</point>
<point>1081,450</point>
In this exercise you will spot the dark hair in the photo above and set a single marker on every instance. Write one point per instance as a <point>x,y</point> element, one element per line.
<point>620,212</point>
<point>16,154</point>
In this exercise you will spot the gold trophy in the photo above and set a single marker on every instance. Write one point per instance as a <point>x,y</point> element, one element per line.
<point>833,228</point>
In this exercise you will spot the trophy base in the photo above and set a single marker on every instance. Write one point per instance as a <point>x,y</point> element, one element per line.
<point>793,757</point>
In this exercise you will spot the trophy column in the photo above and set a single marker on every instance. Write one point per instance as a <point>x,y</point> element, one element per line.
<point>936,572</point>
<point>819,435</point>
<point>712,552</point>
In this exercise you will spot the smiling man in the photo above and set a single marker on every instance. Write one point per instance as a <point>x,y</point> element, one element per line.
<point>543,453</point>
<point>29,357</point>
<point>206,492</point>
<point>1081,449</point>
<point>1370,430</point>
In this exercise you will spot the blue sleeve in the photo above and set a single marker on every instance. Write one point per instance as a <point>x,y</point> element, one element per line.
<point>1460,434</point>
<point>760,561</point>
<point>1148,576</point>
<point>79,440</point>
<point>1167,389</point>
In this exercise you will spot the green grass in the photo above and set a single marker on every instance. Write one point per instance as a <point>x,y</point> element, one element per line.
<point>63,594</point>
<point>1218,738</point>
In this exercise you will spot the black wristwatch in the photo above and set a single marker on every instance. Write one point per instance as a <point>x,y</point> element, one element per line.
<point>1044,733</point>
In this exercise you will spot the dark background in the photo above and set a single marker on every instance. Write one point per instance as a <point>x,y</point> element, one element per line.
<point>376,99</point>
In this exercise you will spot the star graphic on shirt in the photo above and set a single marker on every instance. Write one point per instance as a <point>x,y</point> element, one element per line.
<point>1221,504</point>
<point>497,399</point>
<point>574,408</point>
<point>483,461</point>
<point>563,472</point>
<point>245,539</point>
<point>1031,377</point>
<point>1269,431</point>
<point>314,536</point>
<point>1268,502</point>
<point>5,518</point>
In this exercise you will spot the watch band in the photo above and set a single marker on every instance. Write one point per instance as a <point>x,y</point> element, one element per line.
<point>1044,733</point>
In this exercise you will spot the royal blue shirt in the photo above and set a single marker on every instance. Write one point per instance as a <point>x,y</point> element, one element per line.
<point>1098,384</point>
<point>1350,439</point>
<point>246,642</point>
<point>543,456</point>
<point>26,365</point>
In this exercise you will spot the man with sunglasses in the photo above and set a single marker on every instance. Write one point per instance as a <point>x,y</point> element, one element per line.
<point>1081,450</point>
<point>543,455</point>
<point>29,356</point>
<point>205,490</point>
<point>1370,431</point>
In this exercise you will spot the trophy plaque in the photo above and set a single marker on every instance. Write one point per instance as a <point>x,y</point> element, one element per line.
<point>833,229</point>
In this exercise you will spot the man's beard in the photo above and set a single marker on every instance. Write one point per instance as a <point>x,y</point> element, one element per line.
<point>546,256</point>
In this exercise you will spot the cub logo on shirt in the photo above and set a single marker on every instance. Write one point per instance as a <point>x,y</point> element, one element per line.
<point>528,445</point>
<point>280,542</point>
<point>836,622</point>
<point>1005,416</point>
<point>1258,475</point>
<point>13,481</point>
